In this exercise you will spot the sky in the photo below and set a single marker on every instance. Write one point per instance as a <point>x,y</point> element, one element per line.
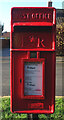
<point>6,5</point>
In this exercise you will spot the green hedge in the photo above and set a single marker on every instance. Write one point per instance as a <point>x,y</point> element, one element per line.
<point>60,39</point>
<point>6,114</point>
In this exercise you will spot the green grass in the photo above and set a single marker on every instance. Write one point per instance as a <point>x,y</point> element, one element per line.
<point>6,114</point>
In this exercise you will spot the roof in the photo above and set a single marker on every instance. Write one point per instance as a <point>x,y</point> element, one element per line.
<point>6,35</point>
<point>59,12</point>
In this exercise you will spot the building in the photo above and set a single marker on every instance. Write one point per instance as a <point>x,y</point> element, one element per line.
<point>5,37</point>
<point>59,16</point>
<point>63,5</point>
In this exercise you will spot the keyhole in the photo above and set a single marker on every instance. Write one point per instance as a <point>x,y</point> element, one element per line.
<point>20,80</point>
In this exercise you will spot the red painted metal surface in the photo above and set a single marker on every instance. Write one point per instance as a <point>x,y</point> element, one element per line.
<point>32,40</point>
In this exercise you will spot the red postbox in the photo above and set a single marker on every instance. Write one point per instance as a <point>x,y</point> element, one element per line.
<point>32,57</point>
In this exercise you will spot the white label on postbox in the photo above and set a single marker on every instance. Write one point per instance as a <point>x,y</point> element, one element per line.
<point>33,78</point>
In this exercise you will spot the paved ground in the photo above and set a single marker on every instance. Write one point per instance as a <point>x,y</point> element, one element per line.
<point>5,76</point>
<point>60,76</point>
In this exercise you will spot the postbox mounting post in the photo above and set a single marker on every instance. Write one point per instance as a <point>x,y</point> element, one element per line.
<point>29,116</point>
<point>32,116</point>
